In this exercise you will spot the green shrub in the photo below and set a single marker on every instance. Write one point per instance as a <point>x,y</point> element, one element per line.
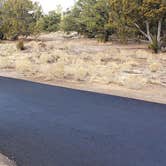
<point>154,45</point>
<point>20,45</point>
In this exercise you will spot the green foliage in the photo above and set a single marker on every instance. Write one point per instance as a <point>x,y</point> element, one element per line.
<point>19,17</point>
<point>144,16</point>
<point>120,19</point>
<point>70,21</point>
<point>51,22</point>
<point>153,13</point>
<point>125,18</point>
<point>154,45</point>
<point>89,18</point>
<point>153,9</point>
<point>20,45</point>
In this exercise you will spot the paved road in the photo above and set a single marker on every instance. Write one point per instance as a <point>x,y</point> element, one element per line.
<point>42,125</point>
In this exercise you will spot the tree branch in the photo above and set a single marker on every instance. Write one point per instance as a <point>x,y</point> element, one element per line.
<point>143,33</point>
<point>159,31</point>
<point>148,31</point>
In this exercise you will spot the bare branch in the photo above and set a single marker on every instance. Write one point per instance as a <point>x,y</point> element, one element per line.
<point>138,27</point>
<point>159,31</point>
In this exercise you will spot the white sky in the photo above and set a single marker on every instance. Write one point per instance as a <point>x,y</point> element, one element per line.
<point>49,5</point>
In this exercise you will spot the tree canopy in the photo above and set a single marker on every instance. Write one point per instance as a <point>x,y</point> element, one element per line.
<point>101,19</point>
<point>89,17</point>
<point>51,22</point>
<point>125,18</point>
<point>18,17</point>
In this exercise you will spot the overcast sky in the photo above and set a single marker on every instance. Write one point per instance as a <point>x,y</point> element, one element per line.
<point>49,5</point>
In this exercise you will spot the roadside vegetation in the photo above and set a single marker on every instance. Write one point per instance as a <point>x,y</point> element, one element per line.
<point>102,41</point>
<point>57,57</point>
<point>105,20</point>
<point>123,19</point>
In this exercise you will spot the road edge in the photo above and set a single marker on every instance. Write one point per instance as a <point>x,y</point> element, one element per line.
<point>4,161</point>
<point>115,91</point>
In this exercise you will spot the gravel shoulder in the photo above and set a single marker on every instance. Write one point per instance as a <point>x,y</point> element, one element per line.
<point>151,93</point>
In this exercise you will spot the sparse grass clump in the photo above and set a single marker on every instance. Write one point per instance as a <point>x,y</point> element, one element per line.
<point>5,63</point>
<point>154,64</point>
<point>154,45</point>
<point>154,67</point>
<point>24,65</point>
<point>52,71</point>
<point>81,73</point>
<point>57,70</point>
<point>20,45</point>
<point>134,82</point>
<point>44,58</point>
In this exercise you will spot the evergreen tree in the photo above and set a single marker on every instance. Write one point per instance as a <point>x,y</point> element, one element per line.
<point>18,17</point>
<point>51,21</point>
<point>90,18</point>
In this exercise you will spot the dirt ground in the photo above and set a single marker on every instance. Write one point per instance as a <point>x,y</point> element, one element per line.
<point>70,61</point>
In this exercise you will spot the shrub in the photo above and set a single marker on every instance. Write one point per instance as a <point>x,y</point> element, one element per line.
<point>52,71</point>
<point>163,45</point>
<point>154,45</point>
<point>81,73</point>
<point>1,36</point>
<point>5,62</point>
<point>57,70</point>
<point>154,67</point>
<point>44,58</point>
<point>23,65</point>
<point>20,45</point>
<point>133,81</point>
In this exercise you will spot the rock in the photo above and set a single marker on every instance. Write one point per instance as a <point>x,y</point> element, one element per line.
<point>163,49</point>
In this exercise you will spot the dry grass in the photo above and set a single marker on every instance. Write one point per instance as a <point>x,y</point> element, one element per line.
<point>24,65</point>
<point>46,58</point>
<point>84,60</point>
<point>134,82</point>
<point>142,54</point>
<point>52,71</point>
<point>81,73</point>
<point>154,67</point>
<point>5,62</point>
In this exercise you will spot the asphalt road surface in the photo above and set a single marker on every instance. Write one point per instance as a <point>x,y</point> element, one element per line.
<point>42,125</point>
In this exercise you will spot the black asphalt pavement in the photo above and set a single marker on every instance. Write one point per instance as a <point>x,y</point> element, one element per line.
<point>42,125</point>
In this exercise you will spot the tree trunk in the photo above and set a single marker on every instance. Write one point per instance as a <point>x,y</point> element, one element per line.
<point>159,32</point>
<point>154,40</point>
<point>141,31</point>
<point>148,32</point>
<point>106,36</point>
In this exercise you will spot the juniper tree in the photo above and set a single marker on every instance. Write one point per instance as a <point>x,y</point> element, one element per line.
<point>18,17</point>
